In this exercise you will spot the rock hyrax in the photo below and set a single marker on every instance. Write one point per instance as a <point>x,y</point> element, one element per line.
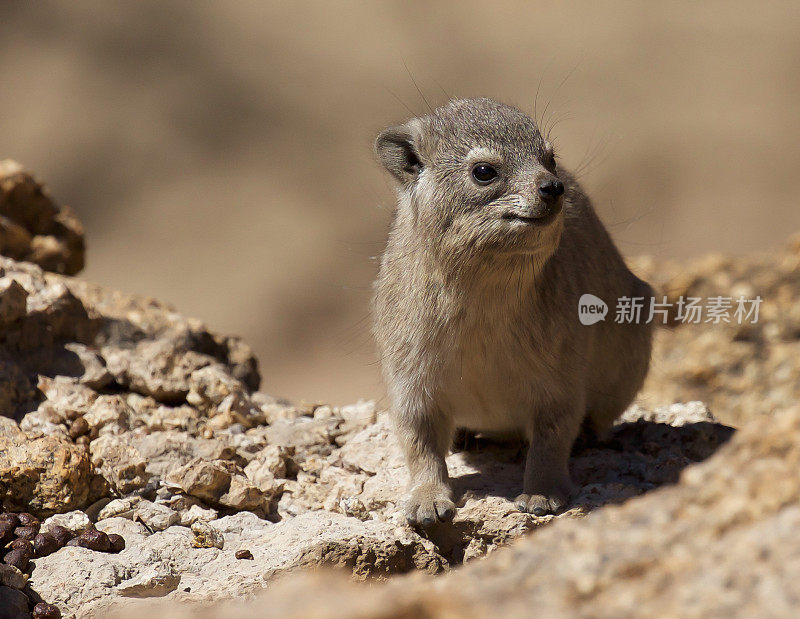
<point>476,304</point>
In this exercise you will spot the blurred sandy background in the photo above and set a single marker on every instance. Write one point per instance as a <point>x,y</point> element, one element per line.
<point>219,154</point>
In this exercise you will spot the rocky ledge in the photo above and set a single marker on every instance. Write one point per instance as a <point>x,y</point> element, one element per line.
<point>136,447</point>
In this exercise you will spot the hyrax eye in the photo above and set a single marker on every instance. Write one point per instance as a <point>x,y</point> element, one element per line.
<point>483,173</point>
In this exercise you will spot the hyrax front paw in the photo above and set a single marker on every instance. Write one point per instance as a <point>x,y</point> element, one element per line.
<point>428,503</point>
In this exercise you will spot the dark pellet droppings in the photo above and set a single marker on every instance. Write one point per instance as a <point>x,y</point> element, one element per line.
<point>94,540</point>
<point>75,541</point>
<point>244,554</point>
<point>29,520</point>
<point>21,544</point>
<point>18,558</point>
<point>117,543</point>
<point>6,531</point>
<point>9,517</point>
<point>78,428</point>
<point>62,535</point>
<point>44,610</point>
<point>26,532</point>
<point>44,544</point>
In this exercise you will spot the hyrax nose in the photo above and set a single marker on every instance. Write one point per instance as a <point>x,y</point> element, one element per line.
<point>551,189</point>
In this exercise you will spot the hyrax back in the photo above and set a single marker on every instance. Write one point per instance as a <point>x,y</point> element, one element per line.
<point>476,302</point>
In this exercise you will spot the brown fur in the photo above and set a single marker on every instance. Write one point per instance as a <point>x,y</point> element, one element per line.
<point>476,313</point>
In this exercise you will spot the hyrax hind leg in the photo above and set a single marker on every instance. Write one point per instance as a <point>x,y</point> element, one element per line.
<point>547,487</point>
<point>426,436</point>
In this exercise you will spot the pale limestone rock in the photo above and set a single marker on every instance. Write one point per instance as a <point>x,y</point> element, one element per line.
<point>154,581</point>
<point>160,417</point>
<point>109,415</point>
<point>198,514</point>
<point>120,464</point>
<point>242,494</point>
<point>46,420</point>
<point>211,385</point>
<point>93,371</point>
<point>218,482</point>
<point>272,462</point>
<point>75,521</point>
<point>154,516</point>
<point>10,429</point>
<point>67,395</point>
<point>119,508</point>
<point>154,368</point>
<point>207,481</point>
<point>166,451</point>
<point>673,415</point>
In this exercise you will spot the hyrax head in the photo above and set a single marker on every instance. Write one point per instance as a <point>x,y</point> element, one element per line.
<point>476,178</point>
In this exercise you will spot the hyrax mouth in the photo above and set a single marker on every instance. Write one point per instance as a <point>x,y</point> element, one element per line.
<point>522,218</point>
<point>541,220</point>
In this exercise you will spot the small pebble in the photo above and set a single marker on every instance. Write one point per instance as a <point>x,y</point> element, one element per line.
<point>43,610</point>
<point>44,544</point>
<point>19,558</point>
<point>75,541</point>
<point>62,535</point>
<point>78,428</point>
<point>206,536</point>
<point>94,540</point>
<point>26,532</point>
<point>244,554</point>
<point>117,543</point>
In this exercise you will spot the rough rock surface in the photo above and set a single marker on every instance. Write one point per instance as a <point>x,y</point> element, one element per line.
<point>740,371</point>
<point>33,227</point>
<point>44,475</point>
<point>69,378</point>
<point>338,497</point>
<point>722,542</point>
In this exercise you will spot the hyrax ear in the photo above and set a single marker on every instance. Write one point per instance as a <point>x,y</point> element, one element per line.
<point>398,152</point>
